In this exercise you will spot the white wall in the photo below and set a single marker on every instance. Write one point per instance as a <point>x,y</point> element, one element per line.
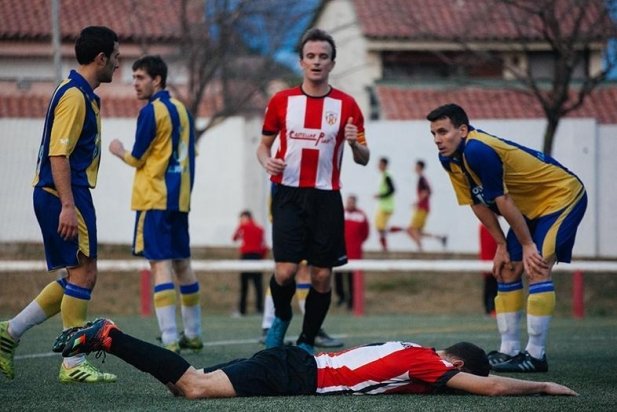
<point>406,141</point>
<point>356,69</point>
<point>607,190</point>
<point>229,179</point>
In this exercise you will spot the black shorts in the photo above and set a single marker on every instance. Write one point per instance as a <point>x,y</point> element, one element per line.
<point>309,224</point>
<point>280,371</point>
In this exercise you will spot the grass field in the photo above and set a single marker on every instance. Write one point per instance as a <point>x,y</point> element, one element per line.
<point>582,355</point>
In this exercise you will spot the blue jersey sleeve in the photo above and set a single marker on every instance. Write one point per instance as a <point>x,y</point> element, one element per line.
<point>487,165</point>
<point>146,131</point>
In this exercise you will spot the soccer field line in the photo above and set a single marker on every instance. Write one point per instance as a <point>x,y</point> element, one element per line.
<point>488,329</point>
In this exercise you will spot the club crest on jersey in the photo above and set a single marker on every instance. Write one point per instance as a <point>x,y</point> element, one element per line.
<point>331,118</point>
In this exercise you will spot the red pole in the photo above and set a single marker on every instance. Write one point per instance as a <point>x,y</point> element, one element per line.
<point>146,292</point>
<point>578,295</point>
<point>358,293</point>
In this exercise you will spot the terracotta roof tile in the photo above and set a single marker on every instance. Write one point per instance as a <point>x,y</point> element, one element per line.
<point>448,19</point>
<point>130,19</point>
<point>399,103</point>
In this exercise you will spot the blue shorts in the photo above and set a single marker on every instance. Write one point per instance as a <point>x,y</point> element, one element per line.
<point>161,235</point>
<point>62,253</point>
<point>553,234</point>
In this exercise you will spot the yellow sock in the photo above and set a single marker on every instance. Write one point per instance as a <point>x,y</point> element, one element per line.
<point>509,304</point>
<point>165,308</point>
<point>74,306</point>
<point>302,290</point>
<point>191,310</point>
<point>540,309</point>
<point>50,297</point>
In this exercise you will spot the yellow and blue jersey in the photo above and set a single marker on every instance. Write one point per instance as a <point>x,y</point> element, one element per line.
<point>486,167</point>
<point>163,155</point>
<point>72,129</point>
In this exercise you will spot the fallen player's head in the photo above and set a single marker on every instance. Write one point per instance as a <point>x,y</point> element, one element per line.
<point>474,358</point>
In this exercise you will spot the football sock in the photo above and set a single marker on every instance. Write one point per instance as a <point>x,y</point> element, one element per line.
<point>165,308</point>
<point>164,365</point>
<point>268,316</point>
<point>74,305</point>
<point>281,296</point>
<point>43,307</point>
<point>73,361</point>
<point>302,290</point>
<point>191,310</point>
<point>317,305</point>
<point>540,308</point>
<point>509,310</point>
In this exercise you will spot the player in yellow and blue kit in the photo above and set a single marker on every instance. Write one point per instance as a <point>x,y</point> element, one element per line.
<point>164,158</point>
<point>542,201</point>
<point>67,169</point>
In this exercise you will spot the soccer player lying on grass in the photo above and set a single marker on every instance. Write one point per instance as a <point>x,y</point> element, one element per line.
<point>391,367</point>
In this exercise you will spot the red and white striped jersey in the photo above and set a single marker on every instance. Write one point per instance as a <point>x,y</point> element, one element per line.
<point>390,367</point>
<point>311,133</point>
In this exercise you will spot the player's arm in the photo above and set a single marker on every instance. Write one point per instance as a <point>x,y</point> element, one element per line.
<point>144,137</point>
<point>493,385</point>
<point>272,165</point>
<point>532,260</point>
<point>61,172</point>
<point>69,116</point>
<point>501,260</point>
<point>357,142</point>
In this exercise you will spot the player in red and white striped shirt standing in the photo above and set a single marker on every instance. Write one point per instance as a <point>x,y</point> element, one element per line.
<point>313,122</point>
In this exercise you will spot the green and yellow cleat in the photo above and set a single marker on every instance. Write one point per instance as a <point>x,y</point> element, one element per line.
<point>173,346</point>
<point>7,351</point>
<point>195,344</point>
<point>85,372</point>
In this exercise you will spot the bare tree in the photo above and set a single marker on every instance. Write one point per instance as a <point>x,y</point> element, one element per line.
<point>571,29</point>
<point>228,49</point>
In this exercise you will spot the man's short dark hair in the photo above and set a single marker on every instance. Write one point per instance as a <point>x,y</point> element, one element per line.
<point>451,111</point>
<point>474,358</point>
<point>317,35</point>
<point>94,40</point>
<point>246,213</point>
<point>384,160</point>
<point>421,164</point>
<point>154,65</point>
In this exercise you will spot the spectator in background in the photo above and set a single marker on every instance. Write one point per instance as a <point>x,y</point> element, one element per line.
<point>253,247</point>
<point>356,233</point>
<point>385,202</point>
<point>421,210</point>
<point>488,248</point>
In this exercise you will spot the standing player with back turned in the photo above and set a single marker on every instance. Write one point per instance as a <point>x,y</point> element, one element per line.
<point>313,123</point>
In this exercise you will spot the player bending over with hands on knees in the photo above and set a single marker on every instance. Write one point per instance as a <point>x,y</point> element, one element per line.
<point>379,368</point>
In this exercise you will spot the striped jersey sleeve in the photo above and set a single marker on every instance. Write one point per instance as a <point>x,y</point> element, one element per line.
<point>391,367</point>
